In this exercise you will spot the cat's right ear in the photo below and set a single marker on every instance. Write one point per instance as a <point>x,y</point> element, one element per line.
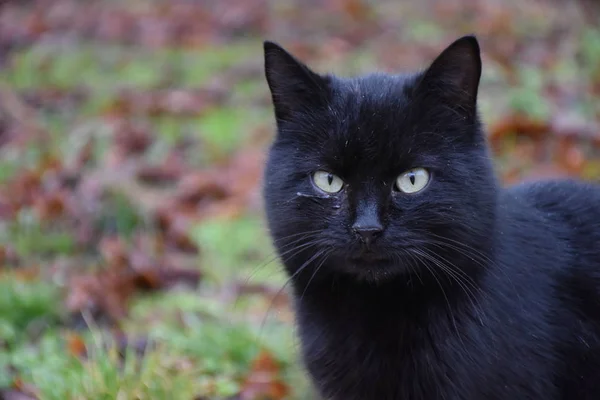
<point>294,87</point>
<point>454,75</point>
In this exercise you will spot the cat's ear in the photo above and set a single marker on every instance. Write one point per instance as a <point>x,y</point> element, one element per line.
<point>294,87</point>
<point>454,75</point>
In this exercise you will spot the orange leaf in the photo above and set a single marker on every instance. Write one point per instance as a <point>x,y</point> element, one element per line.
<point>76,345</point>
<point>264,380</point>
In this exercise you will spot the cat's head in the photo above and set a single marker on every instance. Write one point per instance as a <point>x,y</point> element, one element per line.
<point>378,175</point>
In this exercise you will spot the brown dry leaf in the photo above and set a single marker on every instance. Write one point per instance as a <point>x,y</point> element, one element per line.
<point>511,176</point>
<point>131,139</point>
<point>28,188</point>
<point>159,174</point>
<point>223,191</point>
<point>85,155</point>
<point>27,274</point>
<point>278,298</point>
<point>175,222</point>
<point>146,245</point>
<point>106,293</point>
<point>102,295</point>
<point>264,380</point>
<point>178,237</point>
<point>3,257</point>
<point>24,117</point>
<point>11,394</point>
<point>160,24</point>
<point>24,391</point>
<point>76,345</point>
<point>177,275</point>
<point>24,188</point>
<point>8,256</point>
<point>176,102</point>
<point>7,207</point>
<point>526,150</point>
<point>519,125</point>
<point>50,206</point>
<point>54,99</point>
<point>170,170</point>
<point>358,10</point>
<point>114,252</point>
<point>544,171</point>
<point>199,187</point>
<point>576,129</point>
<point>570,156</point>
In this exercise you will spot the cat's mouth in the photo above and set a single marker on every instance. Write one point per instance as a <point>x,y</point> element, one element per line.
<point>369,257</point>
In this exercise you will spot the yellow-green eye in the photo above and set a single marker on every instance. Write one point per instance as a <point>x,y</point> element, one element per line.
<point>412,181</point>
<point>327,182</point>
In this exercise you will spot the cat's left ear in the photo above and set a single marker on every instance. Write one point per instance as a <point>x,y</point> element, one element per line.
<point>454,75</point>
<point>294,87</point>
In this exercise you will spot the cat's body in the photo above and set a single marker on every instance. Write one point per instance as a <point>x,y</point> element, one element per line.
<point>531,332</point>
<point>458,290</point>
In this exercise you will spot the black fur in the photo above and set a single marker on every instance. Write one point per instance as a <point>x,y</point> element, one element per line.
<point>471,291</point>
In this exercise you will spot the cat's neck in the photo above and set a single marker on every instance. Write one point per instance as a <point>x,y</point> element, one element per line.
<point>406,296</point>
<point>393,329</point>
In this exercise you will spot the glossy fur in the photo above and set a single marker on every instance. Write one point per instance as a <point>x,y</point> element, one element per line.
<point>471,291</point>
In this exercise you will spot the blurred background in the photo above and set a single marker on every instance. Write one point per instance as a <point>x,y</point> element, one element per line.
<point>134,260</point>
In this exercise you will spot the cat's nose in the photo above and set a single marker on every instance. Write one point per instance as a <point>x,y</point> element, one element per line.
<point>367,233</point>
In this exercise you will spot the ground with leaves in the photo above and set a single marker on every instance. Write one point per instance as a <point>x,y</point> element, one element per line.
<point>134,262</point>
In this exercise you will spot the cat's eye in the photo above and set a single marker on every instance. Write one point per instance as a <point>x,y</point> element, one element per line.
<point>412,181</point>
<point>327,182</point>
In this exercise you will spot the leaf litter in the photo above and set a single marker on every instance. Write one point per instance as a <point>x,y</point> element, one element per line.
<point>160,188</point>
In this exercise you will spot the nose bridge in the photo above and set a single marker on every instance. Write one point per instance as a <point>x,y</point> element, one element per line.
<point>367,211</point>
<point>367,214</point>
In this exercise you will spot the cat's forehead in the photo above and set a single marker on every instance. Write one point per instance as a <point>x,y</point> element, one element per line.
<point>376,93</point>
<point>371,108</point>
<point>370,121</point>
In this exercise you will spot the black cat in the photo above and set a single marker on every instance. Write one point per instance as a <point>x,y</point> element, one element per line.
<point>414,274</point>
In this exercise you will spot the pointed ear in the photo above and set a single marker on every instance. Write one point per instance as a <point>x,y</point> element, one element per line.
<point>294,87</point>
<point>454,75</point>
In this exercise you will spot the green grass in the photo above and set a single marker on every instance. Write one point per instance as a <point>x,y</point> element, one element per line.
<point>225,129</point>
<point>28,309</point>
<point>30,237</point>
<point>25,306</point>
<point>104,374</point>
<point>198,345</point>
<point>102,66</point>
<point>119,215</point>
<point>238,248</point>
<point>222,339</point>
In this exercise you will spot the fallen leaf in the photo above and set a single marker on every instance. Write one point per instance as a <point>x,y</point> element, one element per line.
<point>106,292</point>
<point>11,394</point>
<point>519,125</point>
<point>114,252</point>
<point>50,206</point>
<point>264,381</point>
<point>76,345</point>
<point>570,156</point>
<point>24,391</point>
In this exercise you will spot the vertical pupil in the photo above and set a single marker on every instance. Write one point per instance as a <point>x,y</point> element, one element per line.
<point>330,179</point>
<point>412,178</point>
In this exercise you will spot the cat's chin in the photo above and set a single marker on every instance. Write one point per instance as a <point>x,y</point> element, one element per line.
<point>372,267</point>
<point>370,259</point>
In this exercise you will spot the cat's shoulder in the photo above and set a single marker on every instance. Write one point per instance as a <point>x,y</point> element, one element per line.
<point>565,211</point>
<point>556,195</point>
<point>560,218</point>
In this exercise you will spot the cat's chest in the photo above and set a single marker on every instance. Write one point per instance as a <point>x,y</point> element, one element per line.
<point>371,357</point>
<point>357,349</point>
